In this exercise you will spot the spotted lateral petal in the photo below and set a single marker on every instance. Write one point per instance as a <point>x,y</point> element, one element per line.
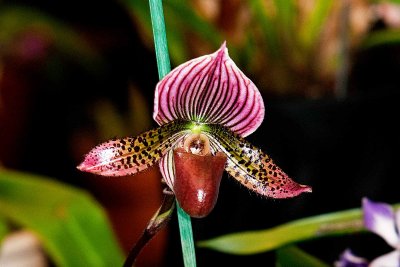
<point>131,155</point>
<point>210,89</point>
<point>252,167</point>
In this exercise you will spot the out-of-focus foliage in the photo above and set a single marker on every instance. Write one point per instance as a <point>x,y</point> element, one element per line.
<point>4,229</point>
<point>72,226</point>
<point>282,238</point>
<point>33,37</point>
<point>290,48</point>
<point>109,121</point>
<point>337,223</point>
<point>29,34</point>
<point>292,256</point>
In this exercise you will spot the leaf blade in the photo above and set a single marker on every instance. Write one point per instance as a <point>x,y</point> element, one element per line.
<point>73,227</point>
<point>292,256</point>
<point>251,242</point>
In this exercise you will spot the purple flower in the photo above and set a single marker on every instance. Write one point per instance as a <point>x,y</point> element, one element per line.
<point>205,107</point>
<point>380,219</point>
<point>348,259</point>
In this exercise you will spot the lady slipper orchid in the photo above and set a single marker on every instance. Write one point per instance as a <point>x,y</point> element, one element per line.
<point>205,107</point>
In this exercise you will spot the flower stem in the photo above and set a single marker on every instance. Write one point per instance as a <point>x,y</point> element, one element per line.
<point>160,38</point>
<point>164,67</point>
<point>185,229</point>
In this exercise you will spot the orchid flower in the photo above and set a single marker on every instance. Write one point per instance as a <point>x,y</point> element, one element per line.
<point>205,107</point>
<point>381,219</point>
<point>348,259</point>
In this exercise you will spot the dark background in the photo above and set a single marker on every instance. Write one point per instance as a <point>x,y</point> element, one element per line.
<point>345,149</point>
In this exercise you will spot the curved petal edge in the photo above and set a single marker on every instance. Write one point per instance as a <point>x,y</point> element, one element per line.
<point>130,155</point>
<point>252,167</point>
<point>210,89</point>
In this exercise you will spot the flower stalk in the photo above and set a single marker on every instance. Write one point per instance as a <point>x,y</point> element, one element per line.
<point>164,67</point>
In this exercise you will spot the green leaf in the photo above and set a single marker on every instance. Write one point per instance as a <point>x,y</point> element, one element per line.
<point>251,242</point>
<point>17,20</point>
<point>141,13</point>
<point>183,13</point>
<point>177,44</point>
<point>4,229</point>
<point>311,29</point>
<point>324,225</point>
<point>292,256</point>
<point>286,15</point>
<point>180,19</point>
<point>72,226</point>
<point>268,27</point>
<point>383,1</point>
<point>382,37</point>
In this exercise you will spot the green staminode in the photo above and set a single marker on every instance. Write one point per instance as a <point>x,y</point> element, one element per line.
<point>197,128</point>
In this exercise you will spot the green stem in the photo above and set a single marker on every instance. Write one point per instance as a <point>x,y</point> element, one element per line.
<point>164,67</point>
<point>160,38</point>
<point>185,229</point>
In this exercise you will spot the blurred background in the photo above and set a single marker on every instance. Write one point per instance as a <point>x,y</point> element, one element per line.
<point>76,73</point>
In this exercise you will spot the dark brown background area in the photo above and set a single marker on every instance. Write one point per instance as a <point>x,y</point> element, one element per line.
<point>344,148</point>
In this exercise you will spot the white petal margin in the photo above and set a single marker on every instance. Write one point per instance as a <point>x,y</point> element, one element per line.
<point>391,259</point>
<point>210,89</point>
<point>379,218</point>
<point>167,169</point>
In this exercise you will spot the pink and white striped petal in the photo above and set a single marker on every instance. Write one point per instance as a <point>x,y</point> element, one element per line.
<point>167,169</point>
<point>379,218</point>
<point>210,89</point>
